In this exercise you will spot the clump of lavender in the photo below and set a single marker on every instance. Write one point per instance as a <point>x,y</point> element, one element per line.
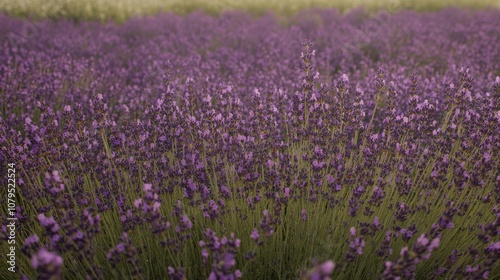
<point>48,264</point>
<point>223,252</point>
<point>176,274</point>
<point>406,265</point>
<point>356,245</point>
<point>320,272</point>
<point>125,249</point>
<point>148,210</point>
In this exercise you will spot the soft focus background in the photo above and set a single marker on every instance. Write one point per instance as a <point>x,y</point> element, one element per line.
<point>120,10</point>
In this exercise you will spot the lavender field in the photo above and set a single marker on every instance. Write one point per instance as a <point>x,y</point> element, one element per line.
<point>317,146</point>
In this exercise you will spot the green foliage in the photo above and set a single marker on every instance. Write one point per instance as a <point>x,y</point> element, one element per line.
<point>121,10</point>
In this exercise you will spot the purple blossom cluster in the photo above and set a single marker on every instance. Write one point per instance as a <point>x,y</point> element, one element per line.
<point>320,272</point>
<point>144,149</point>
<point>223,252</point>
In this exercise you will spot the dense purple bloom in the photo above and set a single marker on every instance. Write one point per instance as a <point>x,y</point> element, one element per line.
<point>33,239</point>
<point>364,135</point>
<point>255,234</point>
<point>48,264</point>
<point>49,223</point>
<point>320,272</point>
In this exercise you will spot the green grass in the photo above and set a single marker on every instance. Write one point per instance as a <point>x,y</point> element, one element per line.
<point>120,10</point>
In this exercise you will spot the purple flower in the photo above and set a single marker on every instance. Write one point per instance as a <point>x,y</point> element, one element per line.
<point>255,234</point>
<point>204,254</point>
<point>344,78</point>
<point>138,203</point>
<point>422,240</point>
<point>147,187</point>
<point>176,274</point>
<point>32,239</point>
<point>320,272</point>
<point>494,246</point>
<point>403,251</point>
<point>156,206</point>
<point>186,222</point>
<point>46,262</point>
<point>357,245</point>
<point>470,269</point>
<point>120,247</point>
<point>287,192</point>
<point>440,271</point>
<point>48,223</point>
<point>229,261</point>
<point>327,267</point>
<point>434,244</point>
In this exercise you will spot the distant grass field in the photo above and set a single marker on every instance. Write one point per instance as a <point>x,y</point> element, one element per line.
<point>120,10</point>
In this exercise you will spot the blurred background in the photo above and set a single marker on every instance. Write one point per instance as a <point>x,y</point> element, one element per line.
<point>121,10</point>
